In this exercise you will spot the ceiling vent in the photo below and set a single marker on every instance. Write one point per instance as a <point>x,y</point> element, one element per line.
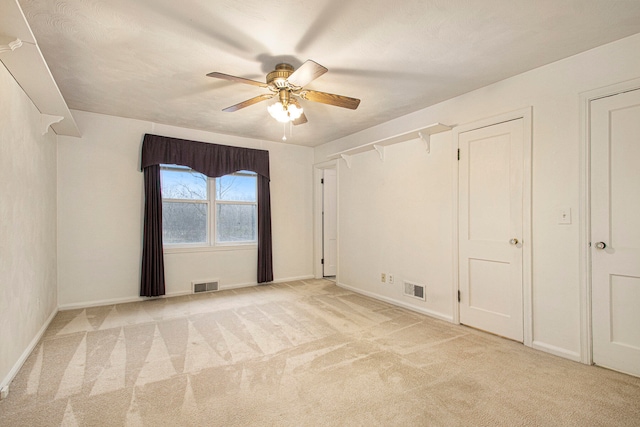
<point>414,290</point>
<point>210,286</point>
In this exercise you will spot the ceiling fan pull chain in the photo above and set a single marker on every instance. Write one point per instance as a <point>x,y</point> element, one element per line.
<point>284,131</point>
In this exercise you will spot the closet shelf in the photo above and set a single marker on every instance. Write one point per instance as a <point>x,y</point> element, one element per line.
<point>21,55</point>
<point>422,133</point>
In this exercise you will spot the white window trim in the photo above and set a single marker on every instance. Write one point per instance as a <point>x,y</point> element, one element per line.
<point>178,248</point>
<point>211,245</point>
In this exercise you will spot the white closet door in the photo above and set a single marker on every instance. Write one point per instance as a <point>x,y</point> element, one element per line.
<point>490,228</point>
<point>615,231</point>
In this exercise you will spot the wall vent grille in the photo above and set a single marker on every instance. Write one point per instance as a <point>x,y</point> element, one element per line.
<point>414,290</point>
<point>210,286</point>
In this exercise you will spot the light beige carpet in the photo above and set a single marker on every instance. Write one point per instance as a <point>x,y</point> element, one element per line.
<point>303,353</point>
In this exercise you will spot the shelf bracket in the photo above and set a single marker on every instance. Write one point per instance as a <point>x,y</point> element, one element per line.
<point>380,150</point>
<point>426,138</point>
<point>347,159</point>
<point>46,120</point>
<point>423,133</point>
<point>8,44</point>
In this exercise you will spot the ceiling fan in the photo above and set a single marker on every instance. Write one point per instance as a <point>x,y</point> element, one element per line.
<point>288,85</point>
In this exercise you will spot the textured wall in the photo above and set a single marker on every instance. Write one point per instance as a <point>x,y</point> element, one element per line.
<point>28,292</point>
<point>370,231</point>
<point>395,218</point>
<point>100,205</point>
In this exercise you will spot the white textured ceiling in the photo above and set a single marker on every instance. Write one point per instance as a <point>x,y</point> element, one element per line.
<point>147,59</point>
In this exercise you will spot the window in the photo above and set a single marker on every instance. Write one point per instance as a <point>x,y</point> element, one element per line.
<point>236,208</point>
<point>202,211</point>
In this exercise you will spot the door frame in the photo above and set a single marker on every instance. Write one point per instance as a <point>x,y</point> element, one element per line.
<point>318,170</point>
<point>526,115</point>
<point>586,332</point>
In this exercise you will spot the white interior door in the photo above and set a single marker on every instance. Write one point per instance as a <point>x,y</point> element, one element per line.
<point>615,231</point>
<point>490,228</point>
<point>329,223</point>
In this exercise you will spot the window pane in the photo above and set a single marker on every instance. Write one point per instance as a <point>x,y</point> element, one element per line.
<point>236,223</point>
<point>183,184</point>
<point>184,222</point>
<point>236,188</point>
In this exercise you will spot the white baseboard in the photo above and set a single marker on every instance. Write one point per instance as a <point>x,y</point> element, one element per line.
<point>111,301</point>
<point>421,310</point>
<point>293,279</point>
<point>557,351</point>
<point>547,348</point>
<point>27,351</point>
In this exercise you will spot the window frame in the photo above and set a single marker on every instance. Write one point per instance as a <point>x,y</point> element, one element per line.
<point>211,243</point>
<point>214,210</point>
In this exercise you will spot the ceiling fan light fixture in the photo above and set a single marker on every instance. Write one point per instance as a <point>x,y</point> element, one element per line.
<point>284,114</point>
<point>294,112</point>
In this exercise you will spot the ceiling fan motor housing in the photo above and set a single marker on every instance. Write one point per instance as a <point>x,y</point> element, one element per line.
<point>279,76</point>
<point>284,97</point>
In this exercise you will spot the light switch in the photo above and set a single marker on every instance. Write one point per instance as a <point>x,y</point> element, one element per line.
<point>564,216</point>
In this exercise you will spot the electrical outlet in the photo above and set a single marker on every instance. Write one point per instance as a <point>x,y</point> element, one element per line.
<point>383,277</point>
<point>390,279</point>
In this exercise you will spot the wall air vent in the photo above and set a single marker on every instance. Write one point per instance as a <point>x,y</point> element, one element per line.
<point>414,290</point>
<point>209,286</point>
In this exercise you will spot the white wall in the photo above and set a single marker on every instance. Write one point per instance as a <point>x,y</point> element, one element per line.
<point>28,294</point>
<point>395,216</point>
<point>100,205</point>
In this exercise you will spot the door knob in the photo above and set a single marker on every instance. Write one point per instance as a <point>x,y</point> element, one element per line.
<point>601,245</point>
<point>513,241</point>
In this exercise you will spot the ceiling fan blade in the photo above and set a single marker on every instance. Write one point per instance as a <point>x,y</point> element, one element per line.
<point>236,79</point>
<point>248,102</point>
<point>300,120</point>
<point>331,99</point>
<point>307,72</point>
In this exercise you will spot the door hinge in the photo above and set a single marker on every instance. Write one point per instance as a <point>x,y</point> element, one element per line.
<point>459,296</point>
<point>322,261</point>
<point>321,180</point>
<point>458,154</point>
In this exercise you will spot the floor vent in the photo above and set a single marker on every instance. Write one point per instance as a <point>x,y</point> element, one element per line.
<point>199,287</point>
<point>413,290</point>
